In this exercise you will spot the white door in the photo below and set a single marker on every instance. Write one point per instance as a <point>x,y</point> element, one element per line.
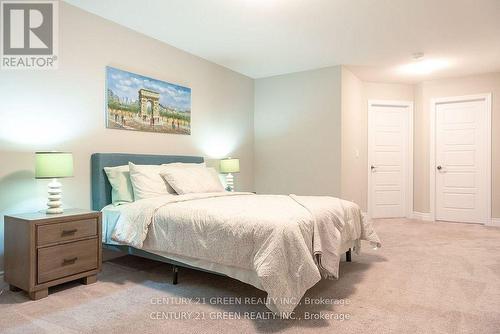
<point>461,161</point>
<point>389,160</point>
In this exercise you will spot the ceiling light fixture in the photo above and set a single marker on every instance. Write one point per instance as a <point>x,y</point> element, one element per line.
<point>421,66</point>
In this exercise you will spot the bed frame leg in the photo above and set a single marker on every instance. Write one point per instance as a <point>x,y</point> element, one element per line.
<point>348,255</point>
<point>175,271</point>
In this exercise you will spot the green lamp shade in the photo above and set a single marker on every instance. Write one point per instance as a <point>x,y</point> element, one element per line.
<point>230,165</point>
<point>51,165</point>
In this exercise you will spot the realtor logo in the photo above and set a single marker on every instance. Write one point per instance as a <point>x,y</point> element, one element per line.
<point>29,34</point>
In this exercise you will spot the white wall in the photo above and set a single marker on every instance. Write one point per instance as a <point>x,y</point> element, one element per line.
<point>421,142</point>
<point>311,132</point>
<point>355,97</point>
<point>64,110</point>
<point>297,133</point>
<point>354,131</point>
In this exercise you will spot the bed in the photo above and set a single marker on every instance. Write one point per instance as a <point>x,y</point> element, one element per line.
<point>280,244</point>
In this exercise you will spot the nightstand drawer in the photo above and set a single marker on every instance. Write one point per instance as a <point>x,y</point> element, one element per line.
<point>64,260</point>
<point>47,234</point>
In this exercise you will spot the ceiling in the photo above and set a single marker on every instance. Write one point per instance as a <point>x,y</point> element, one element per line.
<point>261,38</point>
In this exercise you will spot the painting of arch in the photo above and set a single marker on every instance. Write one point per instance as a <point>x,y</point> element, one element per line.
<point>136,102</point>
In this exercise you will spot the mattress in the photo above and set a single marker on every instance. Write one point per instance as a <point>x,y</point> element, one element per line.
<point>110,215</point>
<point>280,244</point>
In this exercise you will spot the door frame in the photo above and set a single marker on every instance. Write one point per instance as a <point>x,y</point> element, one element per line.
<point>432,165</point>
<point>409,163</point>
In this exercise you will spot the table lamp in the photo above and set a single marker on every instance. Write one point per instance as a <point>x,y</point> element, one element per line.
<point>54,165</point>
<point>229,166</point>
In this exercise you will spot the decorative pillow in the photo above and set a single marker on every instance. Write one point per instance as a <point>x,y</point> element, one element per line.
<point>193,180</point>
<point>147,182</point>
<point>181,165</point>
<point>121,187</point>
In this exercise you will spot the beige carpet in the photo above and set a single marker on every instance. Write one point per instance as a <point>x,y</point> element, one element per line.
<point>427,278</point>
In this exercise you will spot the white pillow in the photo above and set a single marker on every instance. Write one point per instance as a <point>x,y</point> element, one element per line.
<point>147,182</point>
<point>121,187</point>
<point>180,165</point>
<point>193,180</point>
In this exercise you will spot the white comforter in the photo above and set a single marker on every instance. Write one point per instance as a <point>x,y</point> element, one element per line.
<point>289,241</point>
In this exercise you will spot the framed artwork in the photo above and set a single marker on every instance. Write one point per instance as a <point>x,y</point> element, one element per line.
<point>135,102</point>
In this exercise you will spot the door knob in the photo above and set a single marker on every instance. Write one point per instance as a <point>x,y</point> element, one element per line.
<point>439,167</point>
<point>372,167</point>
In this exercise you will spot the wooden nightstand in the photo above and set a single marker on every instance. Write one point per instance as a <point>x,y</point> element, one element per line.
<point>43,250</point>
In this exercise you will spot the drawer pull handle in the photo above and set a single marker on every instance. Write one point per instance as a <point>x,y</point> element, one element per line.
<point>66,232</point>
<point>70,261</point>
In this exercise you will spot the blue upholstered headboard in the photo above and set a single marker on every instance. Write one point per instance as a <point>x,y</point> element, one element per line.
<point>101,189</point>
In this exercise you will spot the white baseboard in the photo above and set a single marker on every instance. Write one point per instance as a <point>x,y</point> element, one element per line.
<point>425,216</point>
<point>494,222</point>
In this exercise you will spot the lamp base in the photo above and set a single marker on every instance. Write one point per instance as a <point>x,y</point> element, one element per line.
<point>230,182</point>
<point>54,210</point>
<point>54,199</point>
